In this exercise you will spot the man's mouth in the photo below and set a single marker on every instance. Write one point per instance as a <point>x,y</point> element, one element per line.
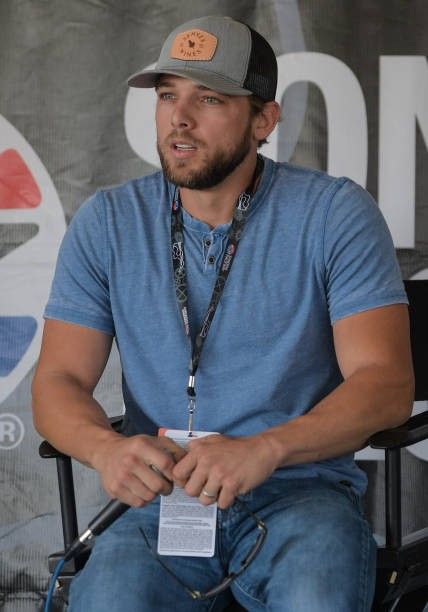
<point>182,146</point>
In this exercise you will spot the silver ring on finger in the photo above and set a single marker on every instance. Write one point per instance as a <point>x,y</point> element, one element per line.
<point>210,495</point>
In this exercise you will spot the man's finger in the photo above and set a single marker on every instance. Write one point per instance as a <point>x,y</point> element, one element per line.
<point>183,469</point>
<point>170,483</point>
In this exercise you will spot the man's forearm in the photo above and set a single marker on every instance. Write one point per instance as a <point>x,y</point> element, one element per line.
<point>69,417</point>
<point>368,401</point>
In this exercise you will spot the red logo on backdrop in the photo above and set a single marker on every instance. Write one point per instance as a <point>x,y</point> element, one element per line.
<point>18,188</point>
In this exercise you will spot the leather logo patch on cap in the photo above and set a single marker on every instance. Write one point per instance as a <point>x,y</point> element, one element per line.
<point>194,45</point>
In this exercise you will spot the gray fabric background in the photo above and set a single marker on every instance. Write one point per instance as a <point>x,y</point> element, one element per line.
<point>63,69</point>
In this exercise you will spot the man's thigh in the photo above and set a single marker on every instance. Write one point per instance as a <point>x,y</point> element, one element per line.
<point>123,575</point>
<point>319,554</point>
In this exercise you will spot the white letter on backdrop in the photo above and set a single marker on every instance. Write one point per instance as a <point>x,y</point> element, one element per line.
<point>346,110</point>
<point>140,128</point>
<point>403,100</point>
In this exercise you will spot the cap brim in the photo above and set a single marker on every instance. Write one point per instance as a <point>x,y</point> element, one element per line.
<point>148,78</point>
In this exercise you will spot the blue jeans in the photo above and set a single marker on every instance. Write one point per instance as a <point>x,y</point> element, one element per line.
<point>319,556</point>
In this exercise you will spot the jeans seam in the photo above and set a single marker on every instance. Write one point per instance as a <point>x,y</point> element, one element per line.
<point>219,538</point>
<point>364,594</point>
<point>247,594</point>
<point>355,499</point>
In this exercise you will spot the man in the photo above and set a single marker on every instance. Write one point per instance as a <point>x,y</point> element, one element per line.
<point>282,286</point>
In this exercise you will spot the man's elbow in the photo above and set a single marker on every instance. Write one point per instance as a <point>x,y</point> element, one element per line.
<point>43,392</point>
<point>36,404</point>
<point>404,395</point>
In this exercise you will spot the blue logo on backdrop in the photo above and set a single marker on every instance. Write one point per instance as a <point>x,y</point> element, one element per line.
<point>16,334</point>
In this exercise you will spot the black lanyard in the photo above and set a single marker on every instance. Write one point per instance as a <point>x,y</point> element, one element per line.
<point>180,278</point>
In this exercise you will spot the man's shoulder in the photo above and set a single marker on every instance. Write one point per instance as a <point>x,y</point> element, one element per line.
<point>143,187</point>
<point>289,171</point>
<point>128,201</point>
<point>135,197</point>
<point>306,184</point>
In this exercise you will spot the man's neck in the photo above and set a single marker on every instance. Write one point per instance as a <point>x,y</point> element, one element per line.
<point>215,206</point>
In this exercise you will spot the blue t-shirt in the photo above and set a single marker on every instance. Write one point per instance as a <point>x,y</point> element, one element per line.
<point>314,249</point>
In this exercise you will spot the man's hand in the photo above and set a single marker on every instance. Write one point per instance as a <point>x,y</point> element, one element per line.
<point>224,467</point>
<point>135,470</point>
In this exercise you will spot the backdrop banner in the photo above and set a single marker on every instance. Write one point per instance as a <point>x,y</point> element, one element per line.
<point>353,83</point>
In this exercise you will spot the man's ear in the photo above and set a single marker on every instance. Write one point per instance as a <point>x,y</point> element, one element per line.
<point>265,121</point>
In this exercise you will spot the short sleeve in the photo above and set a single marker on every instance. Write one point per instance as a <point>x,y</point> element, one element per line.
<point>361,268</point>
<point>80,288</point>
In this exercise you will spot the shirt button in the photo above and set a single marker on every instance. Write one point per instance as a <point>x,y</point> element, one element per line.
<point>207,242</point>
<point>211,259</point>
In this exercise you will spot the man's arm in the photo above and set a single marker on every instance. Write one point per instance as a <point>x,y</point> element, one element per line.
<point>71,362</point>
<point>373,352</point>
<point>374,356</point>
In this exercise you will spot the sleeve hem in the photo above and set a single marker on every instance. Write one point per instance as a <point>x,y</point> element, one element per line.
<point>355,307</point>
<point>69,316</point>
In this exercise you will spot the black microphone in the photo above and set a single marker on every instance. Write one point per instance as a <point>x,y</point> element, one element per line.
<point>104,519</point>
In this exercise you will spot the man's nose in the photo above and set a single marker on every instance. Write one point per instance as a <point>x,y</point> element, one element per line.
<point>182,117</point>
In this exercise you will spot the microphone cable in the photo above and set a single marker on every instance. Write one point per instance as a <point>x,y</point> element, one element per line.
<point>104,519</point>
<point>52,583</point>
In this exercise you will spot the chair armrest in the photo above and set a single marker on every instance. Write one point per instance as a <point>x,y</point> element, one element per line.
<point>47,451</point>
<point>412,431</point>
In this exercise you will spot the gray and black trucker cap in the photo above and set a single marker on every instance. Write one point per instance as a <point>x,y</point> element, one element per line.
<point>220,53</point>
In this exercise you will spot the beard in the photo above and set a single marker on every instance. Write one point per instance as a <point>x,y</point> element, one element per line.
<point>213,171</point>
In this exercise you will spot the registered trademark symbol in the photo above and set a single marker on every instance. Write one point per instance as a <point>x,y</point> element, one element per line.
<point>11,431</point>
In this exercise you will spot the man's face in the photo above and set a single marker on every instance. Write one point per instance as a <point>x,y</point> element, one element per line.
<point>202,136</point>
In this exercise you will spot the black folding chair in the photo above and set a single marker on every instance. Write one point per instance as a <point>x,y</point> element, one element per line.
<point>403,559</point>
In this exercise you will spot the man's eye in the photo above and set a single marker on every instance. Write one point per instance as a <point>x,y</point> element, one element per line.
<point>211,100</point>
<point>166,96</point>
